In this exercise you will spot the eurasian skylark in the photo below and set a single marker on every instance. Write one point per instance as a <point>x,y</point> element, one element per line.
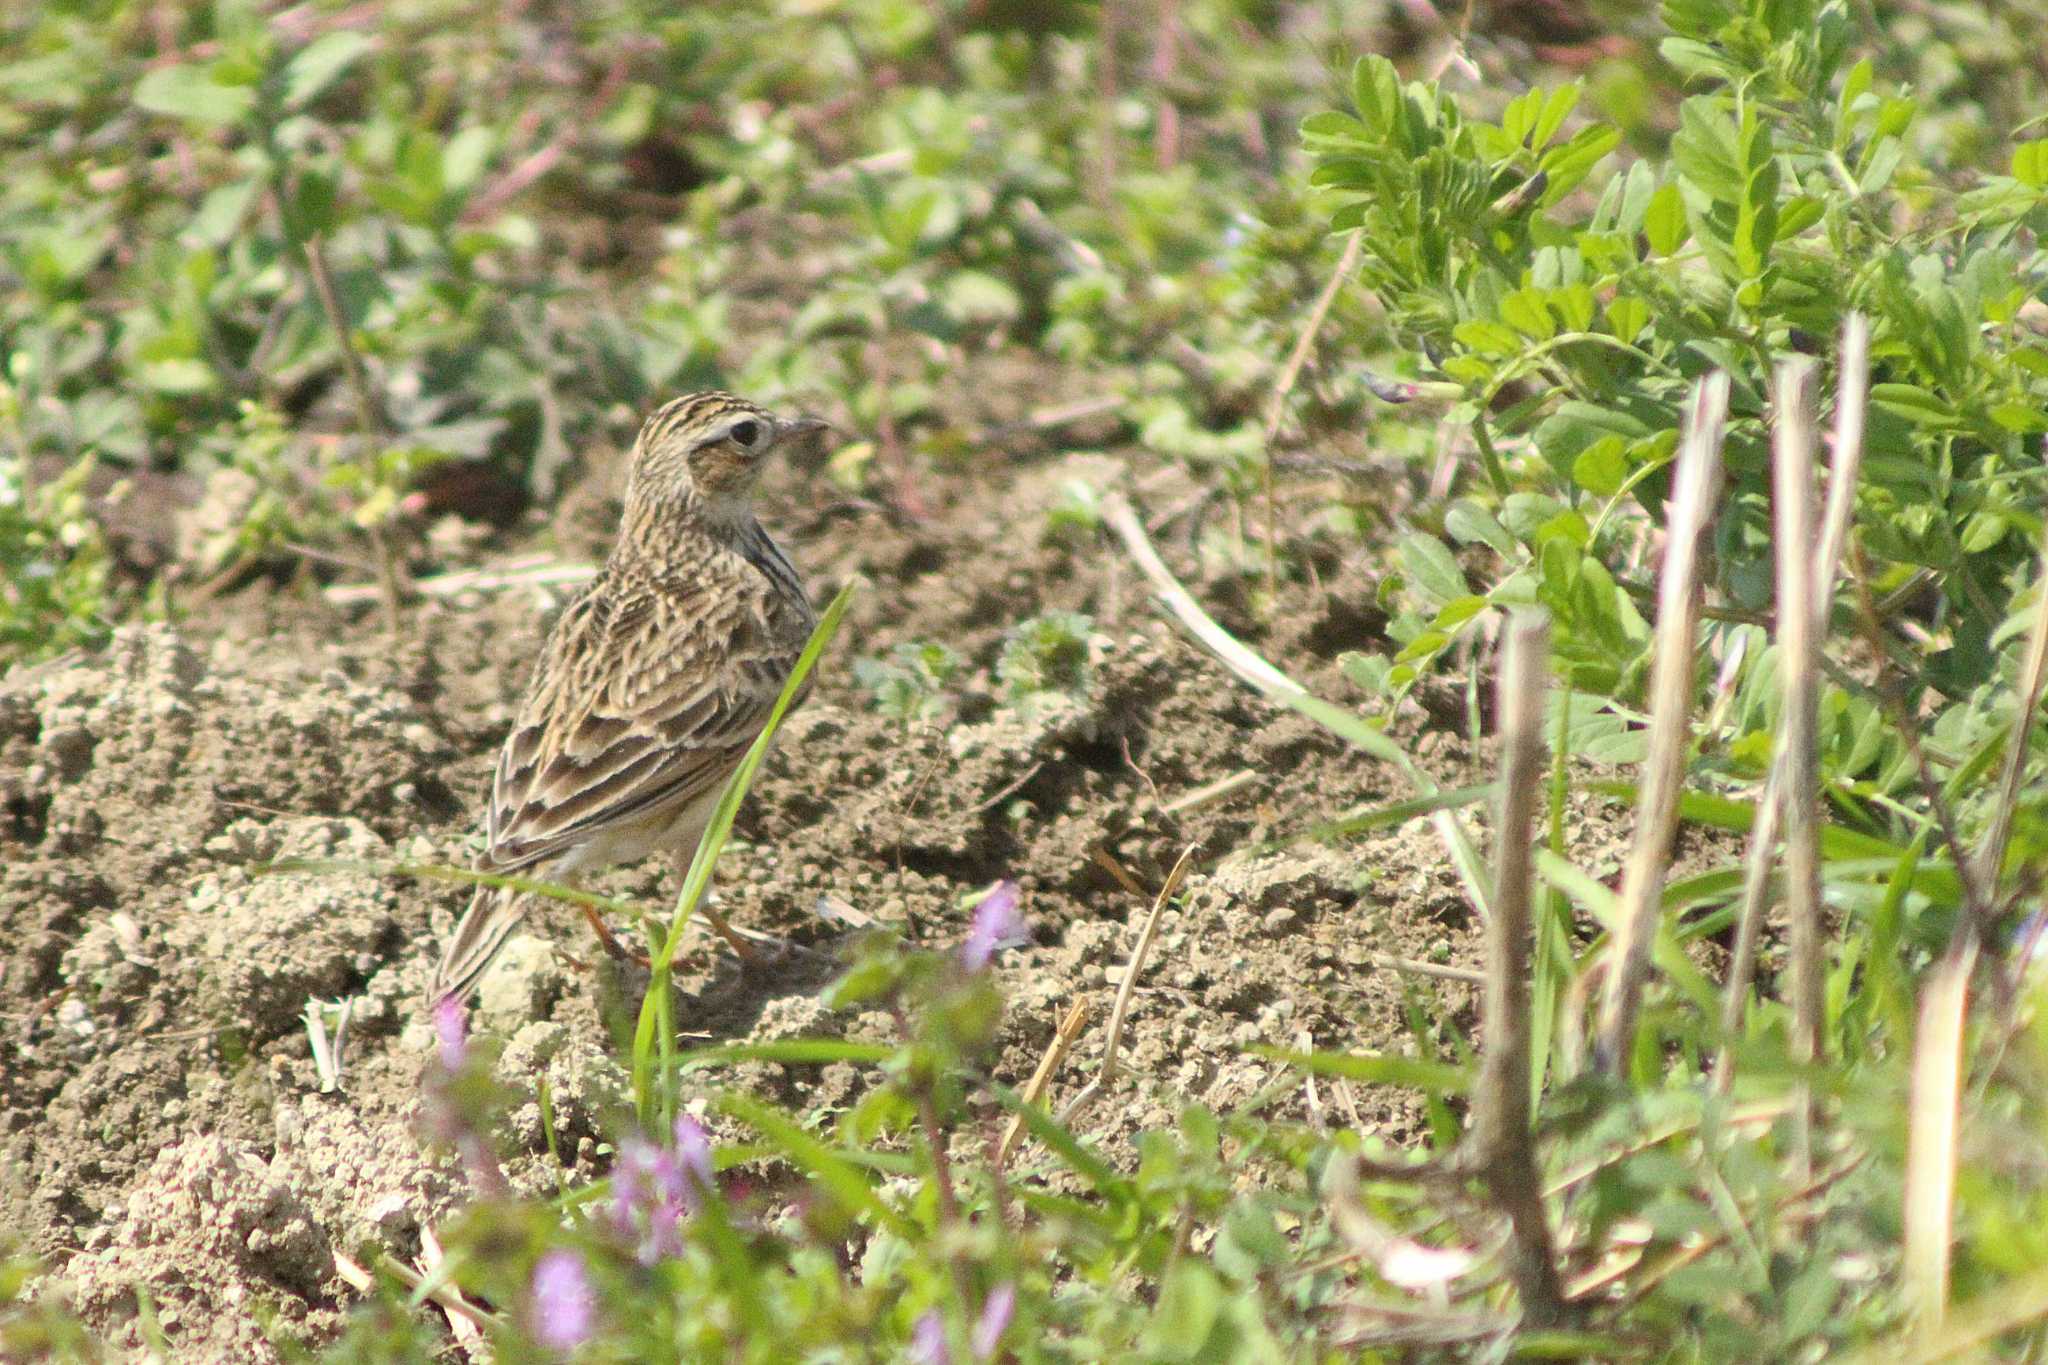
<point>654,682</point>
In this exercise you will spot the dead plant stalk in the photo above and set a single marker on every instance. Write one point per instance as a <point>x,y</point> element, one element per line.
<point>1798,763</point>
<point>1934,1127</point>
<point>1290,374</point>
<point>1851,395</point>
<point>1139,951</point>
<point>1694,487</point>
<point>1506,1154</point>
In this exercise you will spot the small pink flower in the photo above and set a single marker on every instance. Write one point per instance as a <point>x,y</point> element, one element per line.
<point>564,1307</point>
<point>451,1032</point>
<point>928,1340</point>
<point>996,1312</point>
<point>693,1151</point>
<point>996,924</point>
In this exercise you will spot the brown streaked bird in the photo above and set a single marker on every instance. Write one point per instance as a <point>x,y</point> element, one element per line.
<point>654,682</point>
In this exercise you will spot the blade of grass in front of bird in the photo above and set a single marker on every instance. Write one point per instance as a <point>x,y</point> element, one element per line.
<point>654,1037</point>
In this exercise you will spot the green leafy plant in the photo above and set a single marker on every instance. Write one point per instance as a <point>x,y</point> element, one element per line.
<point>1048,653</point>
<point>1575,313</point>
<point>53,560</point>
<point>910,684</point>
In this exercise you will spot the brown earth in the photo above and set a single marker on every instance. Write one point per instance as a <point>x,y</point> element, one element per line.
<point>163,1118</point>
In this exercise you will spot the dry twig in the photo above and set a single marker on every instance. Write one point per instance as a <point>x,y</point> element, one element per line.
<point>1269,681</point>
<point>1129,985</point>
<point>1938,1065</point>
<point>1290,373</point>
<point>369,412</point>
<point>1851,395</point>
<point>1505,1157</point>
<point>1697,478</point>
<point>1034,1093</point>
<point>1798,760</point>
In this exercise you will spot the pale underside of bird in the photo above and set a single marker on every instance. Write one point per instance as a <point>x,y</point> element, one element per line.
<point>654,682</point>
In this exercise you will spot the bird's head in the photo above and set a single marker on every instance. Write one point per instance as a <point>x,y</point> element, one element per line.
<point>706,450</point>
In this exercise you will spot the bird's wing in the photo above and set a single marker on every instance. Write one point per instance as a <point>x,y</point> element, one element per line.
<point>647,696</point>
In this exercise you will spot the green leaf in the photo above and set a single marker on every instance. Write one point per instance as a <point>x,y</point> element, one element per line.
<point>2020,417</point>
<point>191,93</point>
<point>1573,161</point>
<point>1914,403</point>
<point>653,1031</point>
<point>1706,153</point>
<point>1665,224</point>
<point>1376,93</point>
<point>1466,522</point>
<point>2030,164</point>
<point>1602,467</point>
<point>789,1052</point>
<point>1488,338</point>
<point>830,1169</point>
<point>1524,311</point>
<point>1432,571</point>
<point>1335,126</point>
<point>1797,215</point>
<point>320,64</point>
<point>1556,109</point>
<point>1627,315</point>
<point>1189,1311</point>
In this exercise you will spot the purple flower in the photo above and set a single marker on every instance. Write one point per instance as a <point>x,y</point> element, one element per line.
<point>564,1307</point>
<point>693,1152</point>
<point>928,1340</point>
<point>996,924</point>
<point>451,1032</point>
<point>996,1312</point>
<point>654,1187</point>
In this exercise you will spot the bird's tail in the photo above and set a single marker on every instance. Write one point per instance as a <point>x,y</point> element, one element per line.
<point>494,914</point>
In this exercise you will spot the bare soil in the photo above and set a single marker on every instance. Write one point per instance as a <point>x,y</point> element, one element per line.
<point>165,1133</point>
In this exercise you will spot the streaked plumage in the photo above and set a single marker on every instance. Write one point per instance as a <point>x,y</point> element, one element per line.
<point>655,680</point>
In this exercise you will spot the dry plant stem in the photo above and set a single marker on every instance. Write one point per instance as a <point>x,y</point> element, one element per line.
<point>2033,672</point>
<point>2017,1304</point>
<point>1756,885</point>
<point>1210,793</point>
<point>1506,1155</point>
<point>1938,1067</point>
<point>1290,374</point>
<point>446,1296</point>
<point>369,413</point>
<point>1254,671</point>
<point>1933,1123</point>
<point>1694,486</point>
<point>1798,763</point>
<point>539,571</point>
<point>1851,397</point>
<point>1437,970</point>
<point>1129,986</point>
<point>1034,1093</point>
<point>432,1259</point>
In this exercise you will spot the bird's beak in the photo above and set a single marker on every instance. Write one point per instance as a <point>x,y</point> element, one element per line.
<point>806,426</point>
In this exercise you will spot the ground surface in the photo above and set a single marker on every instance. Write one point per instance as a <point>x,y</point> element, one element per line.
<point>163,1119</point>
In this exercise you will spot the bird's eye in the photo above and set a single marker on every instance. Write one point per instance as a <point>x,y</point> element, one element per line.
<point>745,433</point>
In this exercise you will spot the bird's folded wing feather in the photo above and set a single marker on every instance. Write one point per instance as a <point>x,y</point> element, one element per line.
<point>644,701</point>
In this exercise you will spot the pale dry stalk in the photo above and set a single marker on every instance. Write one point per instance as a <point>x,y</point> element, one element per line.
<point>1695,483</point>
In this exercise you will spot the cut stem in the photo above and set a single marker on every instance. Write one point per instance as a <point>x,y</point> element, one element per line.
<point>1694,485</point>
<point>1506,1154</point>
